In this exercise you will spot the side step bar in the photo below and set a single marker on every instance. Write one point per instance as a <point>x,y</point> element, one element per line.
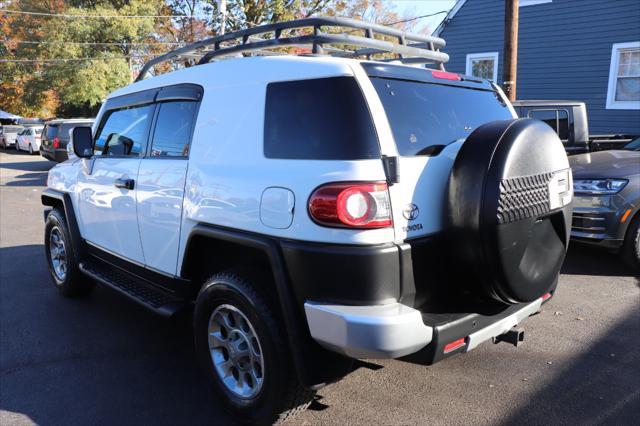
<point>138,290</point>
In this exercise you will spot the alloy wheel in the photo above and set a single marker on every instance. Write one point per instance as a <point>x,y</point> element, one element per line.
<point>58,252</point>
<point>235,351</point>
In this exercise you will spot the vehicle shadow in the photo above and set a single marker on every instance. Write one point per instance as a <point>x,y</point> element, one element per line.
<point>583,259</point>
<point>35,171</point>
<point>101,359</point>
<point>600,387</point>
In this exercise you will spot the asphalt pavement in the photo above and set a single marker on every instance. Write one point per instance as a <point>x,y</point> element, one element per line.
<point>105,360</point>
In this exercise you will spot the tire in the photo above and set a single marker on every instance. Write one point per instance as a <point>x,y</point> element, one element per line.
<point>277,394</point>
<point>17,146</point>
<point>68,280</point>
<point>631,245</point>
<point>30,150</point>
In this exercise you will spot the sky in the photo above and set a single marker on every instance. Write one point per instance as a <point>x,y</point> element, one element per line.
<point>411,8</point>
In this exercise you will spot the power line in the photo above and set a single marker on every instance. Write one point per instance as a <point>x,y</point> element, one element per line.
<point>67,16</point>
<point>90,43</point>
<point>70,59</point>
<point>416,18</point>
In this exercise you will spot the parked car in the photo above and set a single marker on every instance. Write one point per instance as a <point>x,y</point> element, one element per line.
<point>55,137</point>
<point>607,200</point>
<point>29,139</point>
<point>314,209</point>
<point>569,120</point>
<point>8,135</point>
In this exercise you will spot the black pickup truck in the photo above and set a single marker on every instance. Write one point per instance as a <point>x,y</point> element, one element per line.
<point>569,120</point>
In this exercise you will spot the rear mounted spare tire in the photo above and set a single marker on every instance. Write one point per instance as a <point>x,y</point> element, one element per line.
<point>509,209</point>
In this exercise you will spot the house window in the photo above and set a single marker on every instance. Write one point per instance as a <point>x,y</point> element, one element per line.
<point>624,77</point>
<point>483,65</point>
<point>533,2</point>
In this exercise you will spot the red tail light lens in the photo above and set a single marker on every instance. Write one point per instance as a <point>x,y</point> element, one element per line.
<point>352,205</point>
<point>445,75</point>
<point>56,142</point>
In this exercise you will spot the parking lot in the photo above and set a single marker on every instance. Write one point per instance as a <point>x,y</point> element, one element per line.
<point>104,360</point>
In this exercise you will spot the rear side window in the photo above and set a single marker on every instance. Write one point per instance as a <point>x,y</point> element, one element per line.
<point>424,116</point>
<point>173,129</point>
<point>124,131</point>
<point>557,119</point>
<point>320,119</point>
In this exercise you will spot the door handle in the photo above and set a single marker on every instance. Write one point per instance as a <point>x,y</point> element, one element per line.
<point>125,183</point>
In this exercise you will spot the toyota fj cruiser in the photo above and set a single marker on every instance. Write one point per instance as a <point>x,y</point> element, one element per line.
<point>314,208</point>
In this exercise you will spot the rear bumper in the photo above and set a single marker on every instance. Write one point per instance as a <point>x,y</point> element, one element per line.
<point>384,331</point>
<point>395,330</point>
<point>57,155</point>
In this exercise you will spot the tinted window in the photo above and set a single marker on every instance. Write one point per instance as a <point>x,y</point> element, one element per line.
<point>52,131</point>
<point>173,129</point>
<point>557,119</point>
<point>125,130</point>
<point>563,125</point>
<point>425,115</point>
<point>546,115</point>
<point>322,119</point>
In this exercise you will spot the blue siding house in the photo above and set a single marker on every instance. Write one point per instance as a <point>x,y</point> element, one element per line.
<point>583,50</point>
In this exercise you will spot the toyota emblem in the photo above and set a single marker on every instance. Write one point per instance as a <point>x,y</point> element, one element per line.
<point>410,212</point>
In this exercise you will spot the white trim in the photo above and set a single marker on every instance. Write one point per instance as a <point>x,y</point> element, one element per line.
<point>486,55</point>
<point>524,3</point>
<point>456,7</point>
<point>613,76</point>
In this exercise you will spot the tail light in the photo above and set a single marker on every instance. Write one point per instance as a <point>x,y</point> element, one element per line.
<point>445,75</point>
<point>352,205</point>
<point>56,142</point>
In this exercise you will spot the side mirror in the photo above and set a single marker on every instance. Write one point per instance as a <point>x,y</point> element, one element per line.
<point>82,142</point>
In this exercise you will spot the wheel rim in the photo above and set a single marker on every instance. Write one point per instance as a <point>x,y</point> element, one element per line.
<point>58,253</point>
<point>236,351</point>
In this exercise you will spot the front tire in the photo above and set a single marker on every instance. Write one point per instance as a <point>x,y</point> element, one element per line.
<point>61,258</point>
<point>631,246</point>
<point>242,347</point>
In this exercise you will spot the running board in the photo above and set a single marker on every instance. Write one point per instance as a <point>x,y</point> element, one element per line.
<point>138,290</point>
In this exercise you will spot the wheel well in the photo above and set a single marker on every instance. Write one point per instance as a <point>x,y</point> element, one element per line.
<point>206,255</point>
<point>56,203</point>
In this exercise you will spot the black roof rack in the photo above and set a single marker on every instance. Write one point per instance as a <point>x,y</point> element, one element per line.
<point>410,48</point>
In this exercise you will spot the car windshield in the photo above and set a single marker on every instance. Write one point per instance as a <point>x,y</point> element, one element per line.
<point>634,145</point>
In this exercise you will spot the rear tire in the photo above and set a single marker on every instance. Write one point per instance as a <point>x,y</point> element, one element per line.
<point>30,150</point>
<point>631,245</point>
<point>230,309</point>
<point>61,258</point>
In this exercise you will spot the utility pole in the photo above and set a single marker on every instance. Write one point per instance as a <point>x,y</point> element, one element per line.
<point>510,73</point>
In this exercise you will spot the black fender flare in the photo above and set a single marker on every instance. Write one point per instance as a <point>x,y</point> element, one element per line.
<point>52,198</point>
<point>315,365</point>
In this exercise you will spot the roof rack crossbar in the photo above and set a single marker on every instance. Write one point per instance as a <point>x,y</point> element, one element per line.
<point>412,48</point>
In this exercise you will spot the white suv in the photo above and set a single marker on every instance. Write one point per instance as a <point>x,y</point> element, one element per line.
<point>314,209</point>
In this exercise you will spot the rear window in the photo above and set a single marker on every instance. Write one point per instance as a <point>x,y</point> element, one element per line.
<point>320,119</point>
<point>52,131</point>
<point>424,116</point>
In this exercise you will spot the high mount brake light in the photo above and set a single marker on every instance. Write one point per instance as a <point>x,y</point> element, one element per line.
<point>446,75</point>
<point>352,205</point>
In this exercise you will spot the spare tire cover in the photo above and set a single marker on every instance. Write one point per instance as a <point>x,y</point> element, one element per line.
<point>509,206</point>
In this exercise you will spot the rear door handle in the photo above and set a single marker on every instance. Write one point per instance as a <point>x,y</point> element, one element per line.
<point>125,183</point>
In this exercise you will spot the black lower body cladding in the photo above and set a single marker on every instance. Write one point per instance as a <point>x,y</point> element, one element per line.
<point>509,211</point>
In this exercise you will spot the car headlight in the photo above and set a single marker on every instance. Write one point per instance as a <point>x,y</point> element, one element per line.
<point>598,186</point>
